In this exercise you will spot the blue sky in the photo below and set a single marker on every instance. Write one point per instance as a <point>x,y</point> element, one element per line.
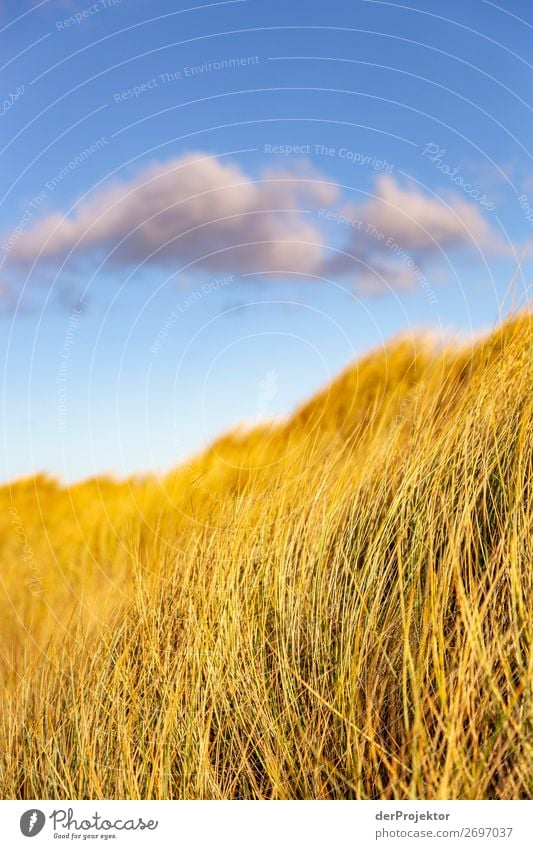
<point>208,212</point>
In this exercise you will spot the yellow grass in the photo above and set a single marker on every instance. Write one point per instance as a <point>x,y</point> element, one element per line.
<point>336,607</point>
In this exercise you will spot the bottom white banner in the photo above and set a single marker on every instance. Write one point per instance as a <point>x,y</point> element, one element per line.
<point>249,824</point>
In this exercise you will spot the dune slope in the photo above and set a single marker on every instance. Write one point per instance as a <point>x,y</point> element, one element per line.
<point>340,606</point>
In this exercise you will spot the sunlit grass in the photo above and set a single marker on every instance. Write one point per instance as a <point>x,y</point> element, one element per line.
<point>340,606</point>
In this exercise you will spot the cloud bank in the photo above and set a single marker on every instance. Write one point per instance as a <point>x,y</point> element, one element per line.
<point>208,213</point>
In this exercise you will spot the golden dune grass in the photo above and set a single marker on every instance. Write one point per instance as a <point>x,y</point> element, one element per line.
<point>336,607</point>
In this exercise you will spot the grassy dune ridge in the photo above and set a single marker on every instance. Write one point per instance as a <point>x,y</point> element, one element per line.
<point>340,606</point>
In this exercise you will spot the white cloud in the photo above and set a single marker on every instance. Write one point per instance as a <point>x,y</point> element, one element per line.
<point>420,222</point>
<point>209,212</point>
<point>195,208</point>
<point>404,233</point>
